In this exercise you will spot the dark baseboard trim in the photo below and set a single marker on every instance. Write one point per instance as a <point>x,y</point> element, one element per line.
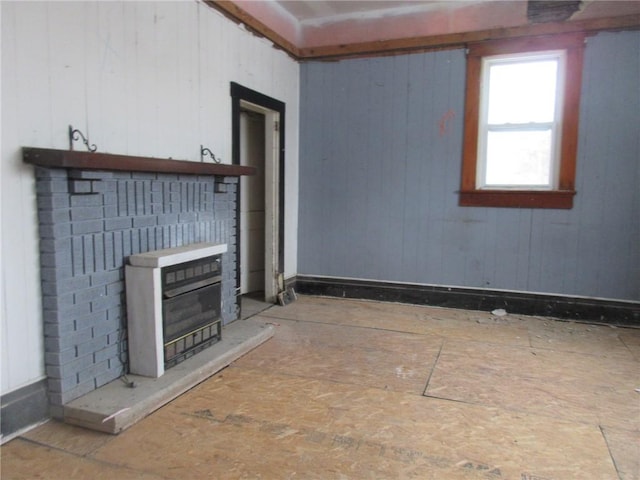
<point>570,308</point>
<point>24,407</point>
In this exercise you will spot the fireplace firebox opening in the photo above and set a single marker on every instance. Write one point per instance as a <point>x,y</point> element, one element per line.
<point>191,306</point>
<point>174,305</point>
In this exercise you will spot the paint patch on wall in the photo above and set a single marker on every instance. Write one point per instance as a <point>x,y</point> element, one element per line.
<point>445,121</point>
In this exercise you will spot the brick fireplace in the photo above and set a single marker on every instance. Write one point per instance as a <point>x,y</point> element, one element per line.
<point>90,222</point>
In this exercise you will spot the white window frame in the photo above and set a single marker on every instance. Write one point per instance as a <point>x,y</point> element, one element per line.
<point>484,127</point>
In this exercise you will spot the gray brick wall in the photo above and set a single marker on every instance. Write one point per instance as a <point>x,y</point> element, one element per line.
<point>90,222</point>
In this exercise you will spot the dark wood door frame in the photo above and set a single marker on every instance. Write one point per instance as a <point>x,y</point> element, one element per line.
<point>238,95</point>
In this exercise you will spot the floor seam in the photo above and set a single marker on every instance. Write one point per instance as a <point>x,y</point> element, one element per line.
<point>340,325</point>
<point>433,368</point>
<point>523,412</point>
<point>89,456</point>
<point>327,380</point>
<point>613,460</point>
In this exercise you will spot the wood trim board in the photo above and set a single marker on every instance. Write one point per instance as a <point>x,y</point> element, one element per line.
<point>46,157</point>
<point>583,309</point>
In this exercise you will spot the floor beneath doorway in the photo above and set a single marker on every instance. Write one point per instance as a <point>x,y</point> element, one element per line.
<point>252,304</point>
<point>354,389</point>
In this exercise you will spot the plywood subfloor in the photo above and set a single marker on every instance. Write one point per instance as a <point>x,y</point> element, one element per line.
<point>366,390</point>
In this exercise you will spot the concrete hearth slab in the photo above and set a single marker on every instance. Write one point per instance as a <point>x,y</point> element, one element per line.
<point>115,406</point>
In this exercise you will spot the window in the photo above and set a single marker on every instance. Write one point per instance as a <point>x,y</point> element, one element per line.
<point>521,122</point>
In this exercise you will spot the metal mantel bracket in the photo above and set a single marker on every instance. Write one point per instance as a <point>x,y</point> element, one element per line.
<point>205,151</point>
<point>75,134</point>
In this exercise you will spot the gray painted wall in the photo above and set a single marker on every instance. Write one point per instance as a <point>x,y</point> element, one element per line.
<point>380,159</point>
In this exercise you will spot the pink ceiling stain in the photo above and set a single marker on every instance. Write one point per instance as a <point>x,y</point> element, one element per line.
<point>438,18</point>
<point>454,19</point>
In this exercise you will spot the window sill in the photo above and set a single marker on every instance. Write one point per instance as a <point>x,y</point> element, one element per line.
<point>562,199</point>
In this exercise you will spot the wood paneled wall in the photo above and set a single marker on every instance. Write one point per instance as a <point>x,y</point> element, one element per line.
<point>380,159</point>
<point>139,78</point>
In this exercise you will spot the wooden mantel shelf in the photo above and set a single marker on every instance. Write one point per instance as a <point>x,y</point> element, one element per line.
<point>46,157</point>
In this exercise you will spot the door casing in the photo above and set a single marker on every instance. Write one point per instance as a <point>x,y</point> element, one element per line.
<point>274,112</point>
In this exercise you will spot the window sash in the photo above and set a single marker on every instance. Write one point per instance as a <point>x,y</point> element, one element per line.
<point>484,127</point>
<point>520,159</point>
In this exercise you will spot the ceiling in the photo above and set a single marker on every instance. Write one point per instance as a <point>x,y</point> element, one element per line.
<point>331,11</point>
<point>308,12</point>
<point>335,28</point>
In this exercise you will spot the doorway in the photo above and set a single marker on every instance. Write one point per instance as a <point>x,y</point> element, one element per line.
<point>252,204</point>
<point>258,140</point>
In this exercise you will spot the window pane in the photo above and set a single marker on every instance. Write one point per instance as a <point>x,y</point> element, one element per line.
<point>522,92</point>
<point>516,158</point>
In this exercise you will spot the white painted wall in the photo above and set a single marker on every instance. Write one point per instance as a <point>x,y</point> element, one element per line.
<point>140,78</point>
